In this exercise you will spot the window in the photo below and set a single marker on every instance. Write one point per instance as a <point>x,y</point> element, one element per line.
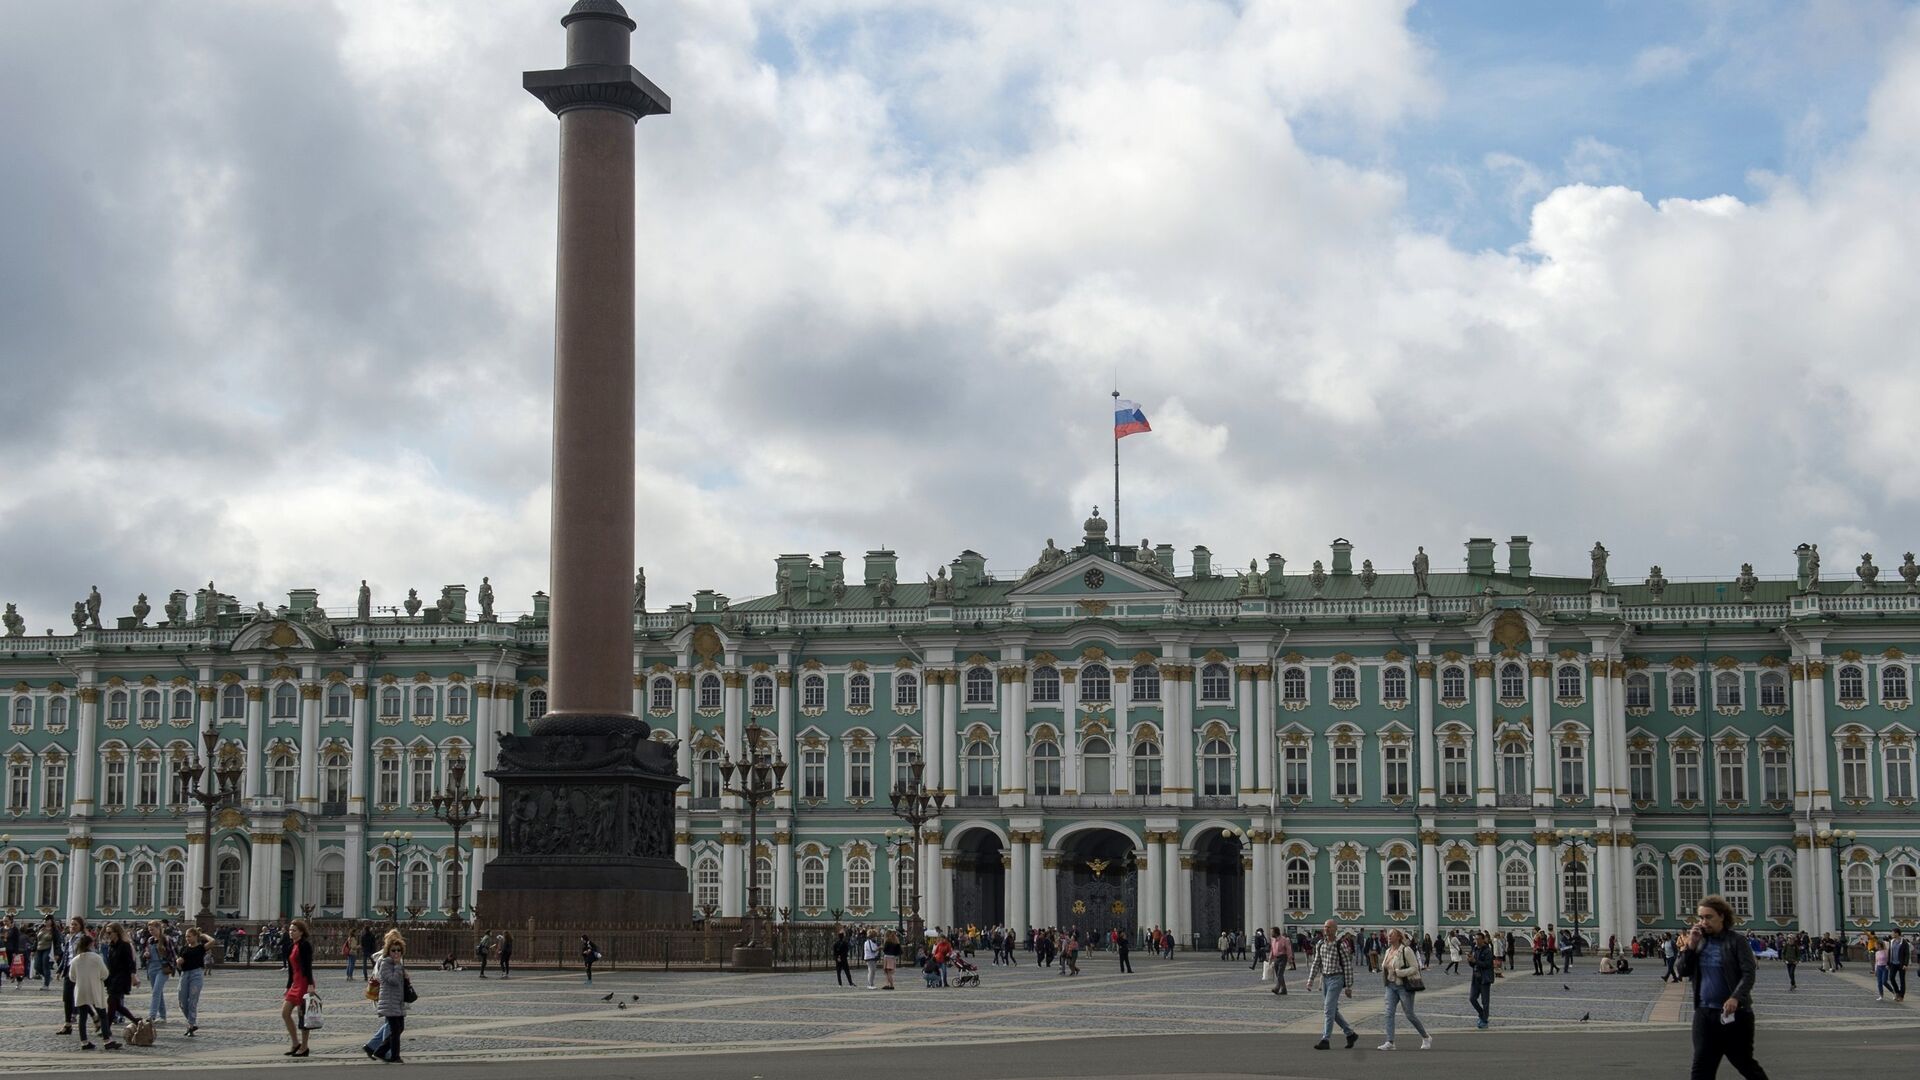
<point>1686,775</point>
<point>813,773</point>
<point>1727,690</point>
<point>333,887</point>
<point>1296,771</point>
<point>706,882</point>
<point>1346,885</point>
<point>1567,683</point>
<point>1773,690</point>
<point>150,707</point>
<point>143,883</point>
<point>978,760</point>
<point>1399,886</point>
<point>422,702</point>
<point>456,700</point>
<point>1293,686</point>
<point>1860,898</point>
<point>1639,691</point>
<point>1573,770</point>
<point>979,686</point>
<point>286,701</point>
<point>49,885</point>
<point>813,692</point>
<point>387,780</point>
<point>1096,684</point>
<point>1146,767</point>
<point>1899,772</point>
<point>20,789</point>
<point>183,704</point>
<point>762,881</point>
<point>233,702</point>
<point>283,773</point>
<point>1691,885</point>
<point>859,883</point>
<point>1853,773</point>
<point>860,772</point>
<point>1683,690</point>
<point>859,691</point>
<point>1737,887</point>
<point>1397,769</point>
<point>110,890</point>
<point>14,896</point>
<point>1780,891</point>
<point>1516,780</point>
<point>762,691</point>
<point>53,777</point>
<point>1215,683</point>
<point>1459,887</point>
<point>1453,684</point>
<point>1216,768</point>
<point>1393,684</point>
<point>536,704</point>
<point>1456,780</point>
<point>1732,773</point>
<point>1852,682</point>
<point>335,777</point>
<point>1046,769</point>
<point>385,885</point>
<point>709,691</point>
<point>1893,683</point>
<point>1640,774</point>
<point>1096,766</point>
<point>117,705</point>
<point>1516,885</point>
<point>226,888</point>
<point>660,695</point>
<point>419,885</point>
<point>906,691</point>
<point>1646,892</point>
<point>1776,774</point>
<point>1346,685</point>
<point>1574,880</point>
<point>813,882</point>
<point>390,703</point>
<point>339,699</point>
<point>1299,884</point>
<point>1903,891</point>
<point>1145,685</point>
<point>1513,682</point>
<point>420,785</point>
<point>57,714</point>
<point>146,774</point>
<point>1346,771</point>
<point>113,787</point>
<point>22,713</point>
<point>903,758</point>
<point>706,773</point>
<point>1046,685</point>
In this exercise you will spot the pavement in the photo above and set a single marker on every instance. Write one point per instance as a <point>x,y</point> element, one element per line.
<point>1189,1016</point>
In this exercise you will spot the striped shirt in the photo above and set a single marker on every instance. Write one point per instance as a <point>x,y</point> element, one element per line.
<point>1329,960</point>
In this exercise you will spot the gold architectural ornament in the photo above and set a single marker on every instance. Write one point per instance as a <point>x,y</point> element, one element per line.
<point>1486,837</point>
<point>1424,669</point>
<point>733,680</point>
<point>89,695</point>
<point>116,681</point>
<point>206,693</point>
<point>309,691</point>
<point>256,693</point>
<point>1540,669</point>
<point>1483,669</point>
<point>284,672</point>
<point>706,643</point>
<point>1510,629</point>
<point>1429,837</point>
<point>1816,669</point>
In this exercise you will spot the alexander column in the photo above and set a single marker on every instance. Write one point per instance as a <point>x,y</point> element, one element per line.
<point>586,799</point>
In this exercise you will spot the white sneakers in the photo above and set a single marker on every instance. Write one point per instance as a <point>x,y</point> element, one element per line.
<point>1384,1046</point>
<point>1426,1042</point>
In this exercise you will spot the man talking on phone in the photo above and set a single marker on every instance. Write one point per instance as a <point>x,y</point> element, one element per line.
<point>1720,964</point>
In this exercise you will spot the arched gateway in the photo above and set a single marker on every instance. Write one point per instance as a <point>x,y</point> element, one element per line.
<point>1097,885</point>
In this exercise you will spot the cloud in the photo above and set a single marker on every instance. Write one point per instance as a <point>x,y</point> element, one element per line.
<point>1658,63</point>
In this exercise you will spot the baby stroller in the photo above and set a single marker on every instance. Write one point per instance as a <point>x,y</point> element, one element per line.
<point>969,973</point>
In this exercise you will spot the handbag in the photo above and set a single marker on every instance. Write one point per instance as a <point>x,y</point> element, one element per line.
<point>311,1017</point>
<point>373,990</point>
<point>1412,982</point>
<point>406,992</point>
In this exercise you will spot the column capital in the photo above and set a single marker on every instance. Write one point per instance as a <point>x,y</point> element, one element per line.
<point>1486,837</point>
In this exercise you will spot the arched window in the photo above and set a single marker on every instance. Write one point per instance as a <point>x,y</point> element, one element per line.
<point>813,692</point>
<point>1399,886</point>
<point>339,699</point>
<point>1646,891</point>
<point>906,690</point>
<point>1780,891</point>
<point>283,773</point>
<point>56,715</point>
<point>110,893</point>
<point>1045,778</point>
<point>336,776</point>
<point>1737,887</point>
<point>386,877</point>
<point>173,886</point>
<point>422,701</point>
<point>706,770</point>
<point>1773,690</point>
<point>1299,884</point>
<point>1459,888</point>
<point>979,778</point>
<point>117,705</point>
<point>1347,894</point>
<point>183,705</point>
<point>1567,685</point>
<point>456,700</point>
<point>226,888</point>
<point>1639,690</point>
<point>1860,891</point>
<point>419,884</point>
<point>1903,891</point>
<point>1215,683</point>
<point>143,886</point>
<point>860,770</point>
<point>1046,685</point>
<point>1146,767</point>
<point>1516,885</point>
<point>1453,684</point>
<point>1683,690</point>
<point>1096,769</point>
<point>813,883</point>
<point>709,691</point>
<point>1393,684</point>
<point>1293,685</point>
<point>286,701</point>
<point>233,702</point>
<point>762,882</point>
<point>1893,682</point>
<point>14,896</point>
<point>1690,886</point>
<point>390,703</point>
<point>1346,685</point>
<point>1513,682</point>
<point>859,691</point>
<point>860,883</point>
<point>150,705</point>
<point>1516,779</point>
<point>1727,690</point>
<point>979,686</point>
<point>1852,680</point>
<point>1145,684</point>
<point>1216,768</point>
<point>762,690</point>
<point>706,882</point>
<point>1096,684</point>
<point>49,885</point>
<point>660,695</point>
<point>536,704</point>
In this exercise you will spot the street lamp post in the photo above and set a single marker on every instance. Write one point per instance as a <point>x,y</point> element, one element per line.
<point>898,841</point>
<point>913,804</point>
<point>212,786</point>
<point>1576,840</point>
<point>1839,840</point>
<point>754,775</point>
<point>395,839</point>
<point>455,807</point>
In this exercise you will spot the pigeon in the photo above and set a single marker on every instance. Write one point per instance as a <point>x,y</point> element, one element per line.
<point>622,1005</point>
<point>1565,987</point>
<point>609,997</point>
<point>1584,1017</point>
<point>636,997</point>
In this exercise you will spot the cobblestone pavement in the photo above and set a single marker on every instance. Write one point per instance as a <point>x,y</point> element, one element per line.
<point>552,1016</point>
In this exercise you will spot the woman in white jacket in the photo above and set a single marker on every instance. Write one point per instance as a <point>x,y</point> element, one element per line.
<point>1401,965</point>
<point>88,973</point>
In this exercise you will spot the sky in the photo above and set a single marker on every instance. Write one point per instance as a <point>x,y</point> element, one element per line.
<point>276,286</point>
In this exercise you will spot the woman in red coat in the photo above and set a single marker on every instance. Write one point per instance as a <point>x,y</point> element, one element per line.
<point>299,982</point>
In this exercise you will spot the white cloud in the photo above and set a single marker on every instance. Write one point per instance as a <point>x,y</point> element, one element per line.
<point>1658,63</point>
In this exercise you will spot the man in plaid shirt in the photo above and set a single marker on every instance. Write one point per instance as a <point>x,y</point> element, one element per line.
<point>1334,967</point>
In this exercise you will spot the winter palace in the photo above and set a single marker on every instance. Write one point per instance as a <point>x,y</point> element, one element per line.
<point>1119,740</point>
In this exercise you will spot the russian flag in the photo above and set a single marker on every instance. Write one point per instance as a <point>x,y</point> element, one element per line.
<point>1128,419</point>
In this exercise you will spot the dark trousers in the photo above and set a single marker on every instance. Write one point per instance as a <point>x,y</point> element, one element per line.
<point>66,997</point>
<point>1897,979</point>
<point>117,1008</point>
<point>1671,975</point>
<point>1539,965</point>
<point>1713,1040</point>
<point>506,964</point>
<point>840,968</point>
<point>389,1045</point>
<point>1792,983</point>
<point>1479,994</point>
<point>1126,965</point>
<point>483,964</point>
<point>99,1022</point>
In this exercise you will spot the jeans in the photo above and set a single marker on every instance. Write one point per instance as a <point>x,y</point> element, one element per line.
<point>1396,995</point>
<point>190,982</point>
<point>43,963</point>
<point>1897,979</point>
<point>385,1044</point>
<point>1713,1040</point>
<point>157,1005</point>
<point>99,1021</point>
<point>1880,979</point>
<point>1331,987</point>
<point>351,959</point>
<point>873,969</point>
<point>1479,994</point>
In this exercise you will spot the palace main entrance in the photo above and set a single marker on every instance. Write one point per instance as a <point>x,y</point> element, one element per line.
<point>979,880</point>
<point>1219,896</point>
<point>1097,885</point>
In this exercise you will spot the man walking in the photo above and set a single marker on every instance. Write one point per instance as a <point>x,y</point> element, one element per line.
<point>1120,944</point>
<point>1480,992</point>
<point>1553,951</point>
<point>1720,964</point>
<point>1334,966</point>
<point>1897,955</point>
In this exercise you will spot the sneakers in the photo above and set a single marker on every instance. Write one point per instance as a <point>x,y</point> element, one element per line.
<point>1384,1046</point>
<point>1321,1045</point>
<point>1426,1042</point>
<point>88,1046</point>
<point>1482,1025</point>
<point>1352,1037</point>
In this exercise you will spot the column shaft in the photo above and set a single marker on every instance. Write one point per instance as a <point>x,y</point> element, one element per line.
<point>1543,748</point>
<point>1428,751</point>
<point>1430,900</point>
<point>1483,734</point>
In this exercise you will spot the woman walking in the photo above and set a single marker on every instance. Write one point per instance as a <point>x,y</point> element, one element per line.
<point>299,985</point>
<point>160,966</point>
<point>1453,954</point>
<point>506,954</point>
<point>390,971</point>
<point>121,967</point>
<point>87,976</point>
<point>68,945</point>
<point>192,962</point>
<point>890,957</point>
<point>589,952</point>
<point>1402,971</point>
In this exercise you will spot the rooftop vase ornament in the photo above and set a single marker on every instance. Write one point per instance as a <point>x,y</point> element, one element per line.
<point>1747,581</point>
<point>176,608</point>
<point>16,625</point>
<point>1656,582</point>
<point>1909,571</point>
<point>413,603</point>
<point>1367,577</point>
<point>1867,571</point>
<point>141,609</point>
<point>1318,578</point>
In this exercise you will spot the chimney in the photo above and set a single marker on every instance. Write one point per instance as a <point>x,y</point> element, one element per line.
<point>835,565</point>
<point>1202,562</point>
<point>540,601</point>
<point>454,597</point>
<point>1520,558</point>
<point>1480,555</point>
<point>1163,554</point>
<point>816,585</point>
<point>1276,566</point>
<point>881,564</point>
<point>300,601</point>
<point>1342,558</point>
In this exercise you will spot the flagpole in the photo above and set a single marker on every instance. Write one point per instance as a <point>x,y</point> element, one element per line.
<point>1116,469</point>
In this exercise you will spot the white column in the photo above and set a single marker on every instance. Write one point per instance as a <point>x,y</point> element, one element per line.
<point>196,856</point>
<point>1604,765</point>
<point>1263,736</point>
<point>683,731</point>
<point>1183,894</point>
<point>930,741</point>
<point>362,746</point>
<point>1802,747</point>
<point>733,715</point>
<point>1049,891</point>
<point>682,843</point>
<point>950,735</point>
<point>1430,900</point>
<point>1805,911</point>
<point>1487,878</point>
<point>732,894</point>
<point>1152,886</point>
<point>782,869</point>
<point>1247,714</point>
<point>1823,890</point>
<point>783,720</point>
<point>1179,708</point>
<point>1607,892</point>
<point>1174,880</point>
<point>310,690</point>
<point>931,879</point>
<point>1069,746</point>
<point>1016,861</point>
<point>1543,747</point>
<point>356,871</point>
<point>486,745</point>
<point>1261,913</point>
<point>80,879</point>
<point>1625,916</point>
<point>1122,734</point>
<point>1483,734</point>
<point>1013,739</point>
<point>1617,731</point>
<point>1546,880</point>
<point>1817,748</point>
<point>639,701</point>
<point>1036,884</point>
<point>1428,751</point>
<point>86,758</point>
<point>256,733</point>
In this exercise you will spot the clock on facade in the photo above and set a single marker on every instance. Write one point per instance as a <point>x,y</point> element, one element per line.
<point>1094,578</point>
